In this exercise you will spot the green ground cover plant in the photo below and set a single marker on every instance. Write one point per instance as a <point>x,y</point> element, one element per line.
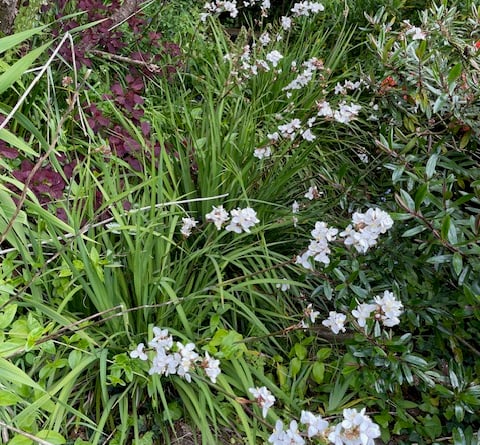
<point>267,236</point>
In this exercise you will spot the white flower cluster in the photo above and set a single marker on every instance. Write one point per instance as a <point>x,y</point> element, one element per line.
<point>175,358</point>
<point>414,31</point>
<point>247,65</point>
<point>306,8</point>
<point>218,6</point>
<point>303,79</point>
<point>336,322</point>
<point>348,85</point>
<point>318,248</point>
<point>356,428</point>
<point>263,397</point>
<point>187,225</point>
<point>362,234</point>
<point>366,228</point>
<point>241,219</point>
<point>386,309</point>
<point>344,114</point>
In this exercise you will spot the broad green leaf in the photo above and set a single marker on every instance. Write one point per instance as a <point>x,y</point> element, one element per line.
<point>318,372</point>
<point>8,398</point>
<point>20,440</point>
<point>9,77</point>
<point>51,436</point>
<point>295,366</point>
<point>7,316</point>
<point>300,351</point>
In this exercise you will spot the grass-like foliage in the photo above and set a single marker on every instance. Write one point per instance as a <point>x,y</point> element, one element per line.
<point>240,223</point>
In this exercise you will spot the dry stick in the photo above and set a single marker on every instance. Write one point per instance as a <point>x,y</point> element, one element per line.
<point>25,434</point>
<point>52,146</point>
<point>152,67</point>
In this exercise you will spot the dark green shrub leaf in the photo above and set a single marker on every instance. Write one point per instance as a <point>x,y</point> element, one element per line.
<point>457,263</point>
<point>430,167</point>
<point>413,231</point>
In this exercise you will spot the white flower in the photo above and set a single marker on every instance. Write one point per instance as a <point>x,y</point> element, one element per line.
<point>162,340</point>
<point>264,39</point>
<point>323,232</point>
<point>316,425</point>
<point>263,152</point>
<point>417,33</point>
<point>324,109</point>
<point>312,193</point>
<point>376,220</point>
<point>356,429</point>
<point>286,23</point>
<point>295,207</point>
<point>308,135</point>
<point>349,85</point>
<point>159,362</point>
<point>346,113</point>
<point>306,7</point>
<point>139,353</point>
<point>310,313</point>
<point>273,137</point>
<point>278,436</point>
<point>335,322</point>
<point>290,436</point>
<point>390,308</point>
<point>304,260</point>
<point>187,359</point>
<point>274,57</point>
<point>188,225</point>
<point>283,286</point>
<point>264,398</point>
<point>340,89</point>
<point>288,130</point>
<point>363,157</point>
<point>212,367</point>
<point>242,220</point>
<point>219,6</point>
<point>361,240</point>
<point>362,313</point>
<point>218,216</point>
<point>319,250</point>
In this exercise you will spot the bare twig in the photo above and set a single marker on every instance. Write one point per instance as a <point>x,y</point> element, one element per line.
<point>25,434</point>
